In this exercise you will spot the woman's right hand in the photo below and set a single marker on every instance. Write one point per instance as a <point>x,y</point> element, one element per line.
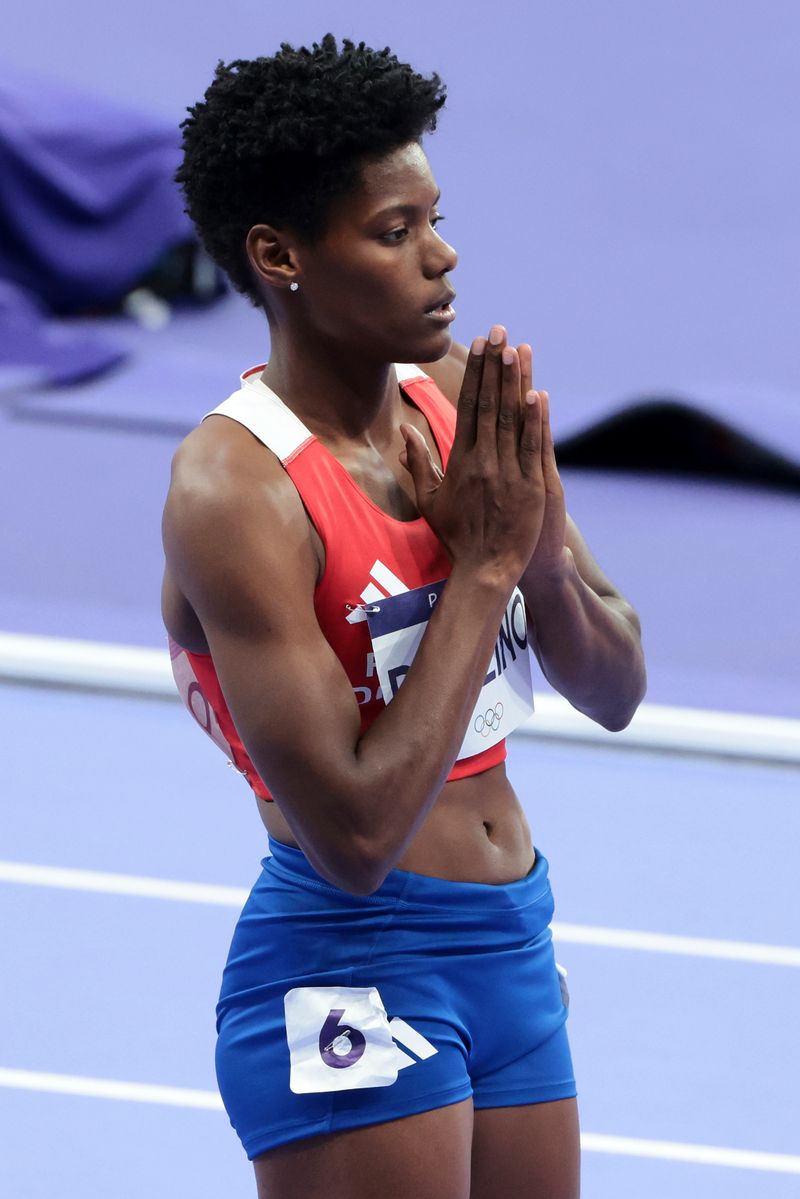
<point>488,507</point>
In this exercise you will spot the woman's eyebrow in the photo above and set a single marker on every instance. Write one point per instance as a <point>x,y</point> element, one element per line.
<point>406,209</point>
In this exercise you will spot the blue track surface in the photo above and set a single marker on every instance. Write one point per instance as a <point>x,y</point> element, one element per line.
<point>667,1047</point>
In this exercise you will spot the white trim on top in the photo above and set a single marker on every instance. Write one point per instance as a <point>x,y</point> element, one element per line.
<point>407,370</point>
<point>264,413</point>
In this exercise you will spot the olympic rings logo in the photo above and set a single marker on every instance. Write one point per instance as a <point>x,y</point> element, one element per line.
<point>488,721</point>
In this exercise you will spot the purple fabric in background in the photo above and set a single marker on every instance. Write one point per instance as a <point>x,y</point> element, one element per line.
<point>87,206</point>
<point>37,351</point>
<point>87,201</point>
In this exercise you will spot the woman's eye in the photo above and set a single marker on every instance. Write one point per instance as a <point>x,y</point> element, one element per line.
<point>402,232</point>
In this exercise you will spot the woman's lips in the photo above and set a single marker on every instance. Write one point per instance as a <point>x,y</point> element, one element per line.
<point>443,315</point>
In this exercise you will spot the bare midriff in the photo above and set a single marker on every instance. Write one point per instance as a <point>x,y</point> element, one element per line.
<point>476,832</point>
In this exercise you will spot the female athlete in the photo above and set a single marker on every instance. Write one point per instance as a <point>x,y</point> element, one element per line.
<point>351,549</point>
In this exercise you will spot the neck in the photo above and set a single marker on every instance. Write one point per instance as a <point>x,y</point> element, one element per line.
<point>339,393</point>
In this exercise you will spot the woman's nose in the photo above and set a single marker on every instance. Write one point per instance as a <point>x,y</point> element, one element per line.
<point>441,257</point>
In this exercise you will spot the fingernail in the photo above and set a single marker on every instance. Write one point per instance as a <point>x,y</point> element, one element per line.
<point>496,335</point>
<point>530,398</point>
<point>478,346</point>
<point>508,356</point>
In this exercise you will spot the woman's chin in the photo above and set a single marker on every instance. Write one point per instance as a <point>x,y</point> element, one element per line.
<point>433,347</point>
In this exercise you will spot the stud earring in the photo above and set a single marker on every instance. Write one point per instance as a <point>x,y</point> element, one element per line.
<point>294,286</point>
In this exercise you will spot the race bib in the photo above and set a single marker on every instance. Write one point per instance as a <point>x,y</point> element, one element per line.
<point>397,625</point>
<point>341,1039</point>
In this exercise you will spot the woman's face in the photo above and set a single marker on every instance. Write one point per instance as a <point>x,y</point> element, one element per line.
<point>372,281</point>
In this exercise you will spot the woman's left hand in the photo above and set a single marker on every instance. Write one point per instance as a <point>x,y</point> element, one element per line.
<point>549,555</point>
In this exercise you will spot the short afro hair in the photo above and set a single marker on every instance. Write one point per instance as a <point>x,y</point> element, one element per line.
<point>276,140</point>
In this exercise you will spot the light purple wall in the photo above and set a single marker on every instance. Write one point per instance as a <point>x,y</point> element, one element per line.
<point>620,177</point>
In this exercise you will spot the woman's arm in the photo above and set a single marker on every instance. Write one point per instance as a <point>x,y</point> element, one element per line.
<point>586,636</point>
<point>238,544</point>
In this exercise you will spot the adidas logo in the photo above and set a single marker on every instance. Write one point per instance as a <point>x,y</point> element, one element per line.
<point>403,1034</point>
<point>382,584</point>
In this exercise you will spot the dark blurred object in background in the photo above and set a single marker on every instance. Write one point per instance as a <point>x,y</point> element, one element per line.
<point>89,215</point>
<point>666,436</point>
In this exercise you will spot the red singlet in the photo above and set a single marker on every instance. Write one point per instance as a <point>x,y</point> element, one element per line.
<point>368,556</point>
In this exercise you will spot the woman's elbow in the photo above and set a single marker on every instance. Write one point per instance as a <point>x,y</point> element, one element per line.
<point>619,716</point>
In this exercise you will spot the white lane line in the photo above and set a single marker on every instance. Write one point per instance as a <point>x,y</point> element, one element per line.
<point>700,947</point>
<point>108,1088</point>
<point>69,879</point>
<point>104,883</point>
<point>104,666</point>
<point>187,1097</point>
<point>681,1151</point>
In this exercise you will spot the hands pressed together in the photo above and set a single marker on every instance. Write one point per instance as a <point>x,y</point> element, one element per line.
<point>499,506</point>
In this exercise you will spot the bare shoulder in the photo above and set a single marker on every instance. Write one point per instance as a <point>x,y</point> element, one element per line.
<point>448,372</point>
<point>232,519</point>
<point>220,458</point>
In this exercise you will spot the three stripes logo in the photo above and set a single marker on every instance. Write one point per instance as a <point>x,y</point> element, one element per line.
<point>383,583</point>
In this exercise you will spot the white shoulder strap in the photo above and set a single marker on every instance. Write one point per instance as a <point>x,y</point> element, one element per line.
<point>406,371</point>
<point>264,413</point>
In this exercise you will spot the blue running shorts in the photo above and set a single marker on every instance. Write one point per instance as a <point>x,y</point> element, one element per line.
<point>339,1011</point>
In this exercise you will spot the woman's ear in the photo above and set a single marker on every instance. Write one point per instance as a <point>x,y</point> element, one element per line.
<point>272,255</point>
